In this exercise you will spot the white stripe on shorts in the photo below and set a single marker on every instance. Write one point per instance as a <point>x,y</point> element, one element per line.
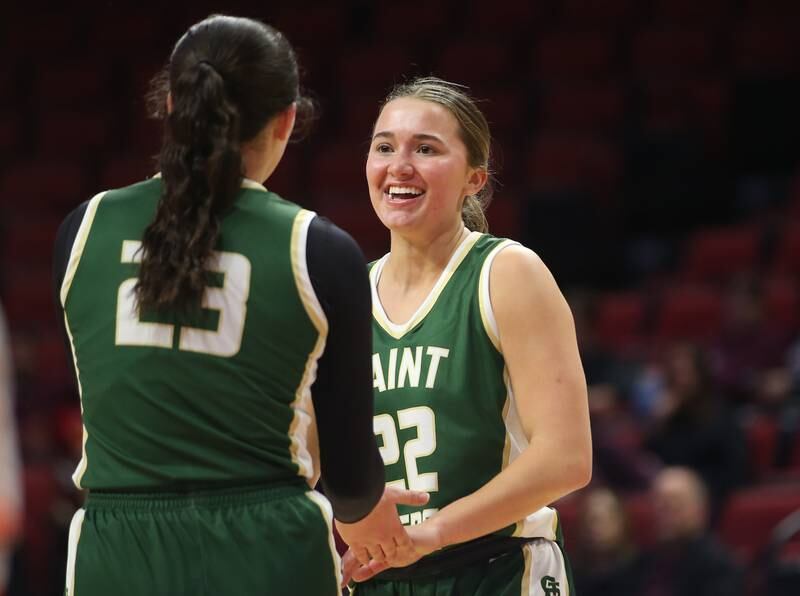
<point>545,570</point>
<point>72,550</point>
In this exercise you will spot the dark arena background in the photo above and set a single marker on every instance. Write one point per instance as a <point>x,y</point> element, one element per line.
<point>648,150</point>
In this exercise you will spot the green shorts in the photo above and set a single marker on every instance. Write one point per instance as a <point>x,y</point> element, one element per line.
<point>538,568</point>
<point>243,542</point>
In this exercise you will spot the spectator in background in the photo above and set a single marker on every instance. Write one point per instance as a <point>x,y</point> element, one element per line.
<point>686,559</point>
<point>774,400</point>
<point>747,344</point>
<point>10,485</point>
<point>606,558</point>
<point>693,427</point>
<point>619,459</point>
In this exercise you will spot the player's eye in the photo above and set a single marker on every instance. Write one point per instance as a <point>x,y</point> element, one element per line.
<point>426,150</point>
<point>383,148</point>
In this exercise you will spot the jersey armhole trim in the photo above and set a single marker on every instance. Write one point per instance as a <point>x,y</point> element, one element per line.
<point>485,298</point>
<point>303,444</point>
<point>78,245</point>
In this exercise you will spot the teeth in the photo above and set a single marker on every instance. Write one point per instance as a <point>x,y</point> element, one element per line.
<point>404,190</point>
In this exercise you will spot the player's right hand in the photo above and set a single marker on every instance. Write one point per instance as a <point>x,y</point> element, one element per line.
<point>380,537</point>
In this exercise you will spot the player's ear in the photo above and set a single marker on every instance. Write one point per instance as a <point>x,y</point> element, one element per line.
<point>476,181</point>
<point>284,122</point>
<point>169,102</point>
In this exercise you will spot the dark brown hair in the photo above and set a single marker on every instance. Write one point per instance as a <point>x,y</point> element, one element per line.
<point>472,128</point>
<point>227,77</point>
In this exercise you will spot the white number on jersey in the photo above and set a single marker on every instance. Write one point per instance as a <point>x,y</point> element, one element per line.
<point>230,301</point>
<point>424,419</point>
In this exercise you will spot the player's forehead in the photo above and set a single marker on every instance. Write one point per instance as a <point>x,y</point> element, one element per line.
<point>411,116</point>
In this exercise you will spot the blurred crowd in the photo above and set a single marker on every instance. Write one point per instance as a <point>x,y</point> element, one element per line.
<point>648,150</point>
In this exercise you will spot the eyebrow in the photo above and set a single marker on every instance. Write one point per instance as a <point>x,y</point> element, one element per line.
<point>418,137</point>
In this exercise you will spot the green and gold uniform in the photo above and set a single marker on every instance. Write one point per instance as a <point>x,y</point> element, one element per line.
<point>200,440</point>
<point>447,423</point>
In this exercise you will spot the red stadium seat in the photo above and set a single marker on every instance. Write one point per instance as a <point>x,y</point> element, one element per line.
<point>720,253</point>
<point>125,170</point>
<point>337,170</point>
<point>371,72</point>
<point>607,15</point>
<point>321,23</point>
<point>10,138</point>
<point>781,297</point>
<point>692,12</point>
<point>689,312</point>
<point>765,48</point>
<point>45,34</point>
<point>430,19</point>
<point>620,319</point>
<point>680,52</point>
<point>641,513</point>
<point>751,514</point>
<point>504,216</point>
<point>504,18</point>
<point>574,162</point>
<point>475,63</point>
<point>26,188</point>
<point>583,55</point>
<point>787,256</point>
<point>583,106</point>
<point>85,133</point>
<point>28,297</point>
<point>30,240</point>
<point>78,83</point>
<point>52,359</point>
<point>762,442</point>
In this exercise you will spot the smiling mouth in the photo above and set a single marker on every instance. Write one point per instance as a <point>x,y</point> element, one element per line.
<point>403,193</point>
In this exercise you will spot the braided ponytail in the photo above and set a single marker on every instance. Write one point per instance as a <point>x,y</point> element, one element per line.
<point>227,77</point>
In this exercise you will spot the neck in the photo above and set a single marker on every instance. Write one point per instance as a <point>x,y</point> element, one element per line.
<point>412,261</point>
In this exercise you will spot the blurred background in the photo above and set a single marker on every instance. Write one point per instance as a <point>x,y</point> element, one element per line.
<point>648,150</point>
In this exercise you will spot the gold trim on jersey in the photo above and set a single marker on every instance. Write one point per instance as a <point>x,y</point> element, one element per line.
<point>542,523</point>
<point>304,446</point>
<point>327,513</point>
<point>485,298</point>
<point>78,245</point>
<point>246,183</point>
<point>72,267</point>
<point>399,330</point>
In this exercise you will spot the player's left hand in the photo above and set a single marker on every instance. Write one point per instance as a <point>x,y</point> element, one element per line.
<point>426,538</point>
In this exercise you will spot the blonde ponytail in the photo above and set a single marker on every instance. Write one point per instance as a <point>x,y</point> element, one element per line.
<point>473,216</point>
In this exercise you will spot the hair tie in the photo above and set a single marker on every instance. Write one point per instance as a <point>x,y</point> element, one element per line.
<point>207,63</point>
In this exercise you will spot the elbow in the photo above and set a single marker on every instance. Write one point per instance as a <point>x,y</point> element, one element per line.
<point>578,471</point>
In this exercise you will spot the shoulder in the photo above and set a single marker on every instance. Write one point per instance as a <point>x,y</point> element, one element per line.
<point>517,265</point>
<point>521,288</point>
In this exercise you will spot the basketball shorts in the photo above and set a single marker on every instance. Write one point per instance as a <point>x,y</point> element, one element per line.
<point>538,568</point>
<point>243,542</point>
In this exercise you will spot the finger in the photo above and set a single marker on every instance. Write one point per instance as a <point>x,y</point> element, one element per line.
<point>410,497</point>
<point>365,572</point>
<point>376,552</point>
<point>389,549</point>
<point>361,554</point>
<point>349,565</point>
<point>402,540</point>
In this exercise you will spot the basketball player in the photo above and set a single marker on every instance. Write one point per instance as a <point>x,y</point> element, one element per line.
<point>480,397</point>
<point>200,310</point>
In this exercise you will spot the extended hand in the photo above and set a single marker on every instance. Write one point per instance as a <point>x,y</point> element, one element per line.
<point>426,538</point>
<point>380,536</point>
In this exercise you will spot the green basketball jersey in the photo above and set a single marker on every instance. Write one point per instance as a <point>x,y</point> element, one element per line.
<point>445,415</point>
<point>221,396</point>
